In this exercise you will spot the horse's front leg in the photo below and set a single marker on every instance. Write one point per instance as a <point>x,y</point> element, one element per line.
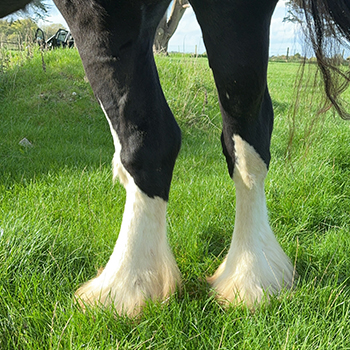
<point>115,42</point>
<point>236,34</point>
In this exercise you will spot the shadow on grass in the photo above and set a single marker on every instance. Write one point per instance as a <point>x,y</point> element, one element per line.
<point>216,242</point>
<point>54,146</point>
<point>280,107</point>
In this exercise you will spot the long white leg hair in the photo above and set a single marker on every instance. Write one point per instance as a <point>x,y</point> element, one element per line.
<point>255,264</point>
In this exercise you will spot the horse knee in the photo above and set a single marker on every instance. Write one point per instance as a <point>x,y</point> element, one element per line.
<point>255,131</point>
<point>145,153</point>
<point>149,157</point>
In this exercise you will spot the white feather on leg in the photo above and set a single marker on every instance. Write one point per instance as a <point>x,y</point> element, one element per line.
<point>142,265</point>
<point>255,264</point>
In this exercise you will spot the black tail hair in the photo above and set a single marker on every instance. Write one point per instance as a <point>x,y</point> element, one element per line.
<point>328,22</point>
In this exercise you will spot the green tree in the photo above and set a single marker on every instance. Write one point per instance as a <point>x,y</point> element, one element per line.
<point>51,29</point>
<point>20,31</point>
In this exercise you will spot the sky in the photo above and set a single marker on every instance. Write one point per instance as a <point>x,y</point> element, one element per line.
<point>188,36</point>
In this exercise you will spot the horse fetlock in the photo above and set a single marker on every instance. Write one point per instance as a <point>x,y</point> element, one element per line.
<point>126,291</point>
<point>250,275</point>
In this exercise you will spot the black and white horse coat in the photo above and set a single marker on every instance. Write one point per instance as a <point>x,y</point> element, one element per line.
<point>114,39</point>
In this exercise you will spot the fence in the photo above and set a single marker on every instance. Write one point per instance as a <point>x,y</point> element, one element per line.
<point>11,45</point>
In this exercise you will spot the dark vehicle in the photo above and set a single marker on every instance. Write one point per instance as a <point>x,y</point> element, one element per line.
<point>62,38</point>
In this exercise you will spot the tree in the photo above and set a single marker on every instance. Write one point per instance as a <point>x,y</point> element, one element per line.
<point>39,8</point>
<point>168,25</point>
<point>19,27</point>
<point>294,12</point>
<point>20,31</point>
<point>51,29</point>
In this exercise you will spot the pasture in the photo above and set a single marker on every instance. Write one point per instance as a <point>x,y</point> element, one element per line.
<point>60,215</point>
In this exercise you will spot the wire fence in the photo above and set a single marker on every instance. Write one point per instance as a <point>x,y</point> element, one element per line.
<point>12,45</point>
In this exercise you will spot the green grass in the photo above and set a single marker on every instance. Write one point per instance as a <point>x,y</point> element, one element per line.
<point>60,216</point>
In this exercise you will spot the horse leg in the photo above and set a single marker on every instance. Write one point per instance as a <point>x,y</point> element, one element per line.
<point>236,35</point>
<point>115,41</point>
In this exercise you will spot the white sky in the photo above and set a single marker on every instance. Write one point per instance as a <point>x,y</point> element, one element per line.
<point>188,34</point>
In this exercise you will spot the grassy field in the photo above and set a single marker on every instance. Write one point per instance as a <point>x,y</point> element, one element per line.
<point>60,215</point>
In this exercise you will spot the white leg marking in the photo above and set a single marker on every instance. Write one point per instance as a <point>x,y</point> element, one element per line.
<point>118,169</point>
<point>255,264</point>
<point>141,266</point>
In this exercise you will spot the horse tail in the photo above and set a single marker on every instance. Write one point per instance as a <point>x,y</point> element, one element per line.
<point>327,24</point>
